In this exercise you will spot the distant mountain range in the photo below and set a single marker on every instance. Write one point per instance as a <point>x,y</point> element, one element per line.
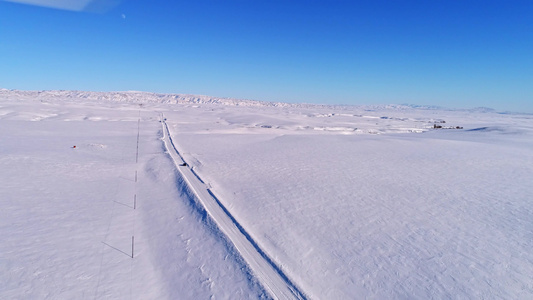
<point>131,97</point>
<point>147,97</point>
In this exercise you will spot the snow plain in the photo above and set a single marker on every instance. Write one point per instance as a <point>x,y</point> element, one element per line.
<point>348,202</point>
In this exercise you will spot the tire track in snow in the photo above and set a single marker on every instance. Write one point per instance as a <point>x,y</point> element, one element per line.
<point>275,282</point>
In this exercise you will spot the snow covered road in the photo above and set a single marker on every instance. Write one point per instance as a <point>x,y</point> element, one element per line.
<point>271,277</point>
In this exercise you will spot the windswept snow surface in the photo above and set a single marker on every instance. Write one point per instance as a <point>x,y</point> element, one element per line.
<point>370,213</point>
<point>67,217</point>
<point>347,202</point>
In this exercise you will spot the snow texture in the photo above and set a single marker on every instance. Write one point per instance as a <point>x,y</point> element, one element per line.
<point>346,202</point>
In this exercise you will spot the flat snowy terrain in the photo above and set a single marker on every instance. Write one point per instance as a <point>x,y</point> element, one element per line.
<point>329,202</point>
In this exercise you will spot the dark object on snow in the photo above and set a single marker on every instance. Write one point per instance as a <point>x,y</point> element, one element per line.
<point>183,164</point>
<point>73,147</point>
<point>435,126</point>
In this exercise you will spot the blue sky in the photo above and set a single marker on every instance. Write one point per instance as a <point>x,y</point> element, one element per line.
<point>446,53</point>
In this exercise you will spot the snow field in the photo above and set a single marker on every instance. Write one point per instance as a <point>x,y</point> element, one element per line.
<point>444,214</point>
<point>60,205</point>
<point>349,202</point>
<point>67,217</point>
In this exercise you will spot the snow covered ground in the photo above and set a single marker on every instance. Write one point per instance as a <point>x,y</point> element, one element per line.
<point>67,216</point>
<point>347,202</point>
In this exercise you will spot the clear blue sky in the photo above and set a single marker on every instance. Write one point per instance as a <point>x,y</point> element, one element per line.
<point>448,53</point>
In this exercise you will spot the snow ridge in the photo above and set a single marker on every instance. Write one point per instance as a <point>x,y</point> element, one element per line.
<point>131,97</point>
<point>140,97</point>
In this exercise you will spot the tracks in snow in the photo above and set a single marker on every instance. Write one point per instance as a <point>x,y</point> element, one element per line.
<point>275,282</point>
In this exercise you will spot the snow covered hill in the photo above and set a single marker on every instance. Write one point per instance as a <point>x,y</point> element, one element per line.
<point>129,97</point>
<point>158,98</point>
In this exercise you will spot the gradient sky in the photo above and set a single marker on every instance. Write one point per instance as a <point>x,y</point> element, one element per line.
<point>448,53</point>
